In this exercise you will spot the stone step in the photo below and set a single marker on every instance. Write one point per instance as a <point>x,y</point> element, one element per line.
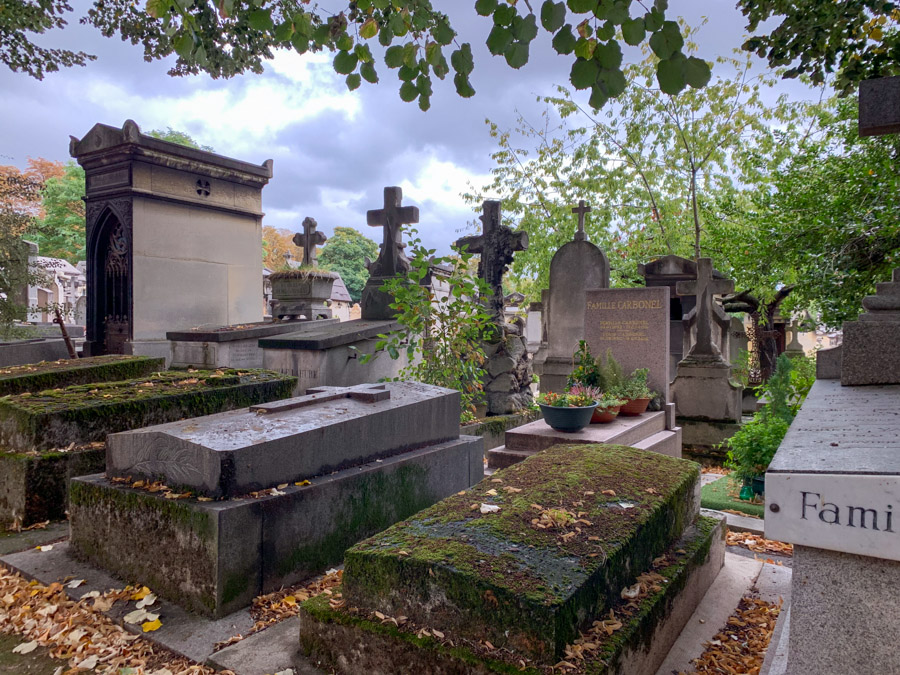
<point>502,457</point>
<point>622,431</point>
<point>663,442</point>
<point>532,555</point>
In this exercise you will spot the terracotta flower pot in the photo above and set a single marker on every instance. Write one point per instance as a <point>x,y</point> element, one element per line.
<point>635,407</point>
<point>605,416</point>
<point>567,419</point>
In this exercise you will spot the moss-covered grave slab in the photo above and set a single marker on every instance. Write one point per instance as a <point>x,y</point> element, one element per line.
<point>33,485</point>
<point>36,377</point>
<point>632,638</point>
<point>529,557</point>
<point>85,413</point>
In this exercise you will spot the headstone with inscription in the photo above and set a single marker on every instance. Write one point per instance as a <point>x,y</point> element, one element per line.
<point>508,367</point>
<point>633,324</point>
<point>173,239</point>
<point>576,267</point>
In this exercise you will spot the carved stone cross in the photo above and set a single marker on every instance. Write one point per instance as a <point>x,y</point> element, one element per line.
<point>581,210</point>
<point>308,240</point>
<point>391,262</point>
<point>704,288</point>
<point>497,243</point>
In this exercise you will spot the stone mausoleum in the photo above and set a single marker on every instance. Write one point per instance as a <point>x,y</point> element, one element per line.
<point>173,238</point>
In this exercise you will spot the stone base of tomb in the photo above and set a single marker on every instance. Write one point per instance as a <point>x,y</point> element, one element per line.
<point>554,373</point>
<point>214,557</point>
<point>18,352</point>
<point>328,354</point>
<point>649,431</point>
<point>702,439</point>
<point>33,486</point>
<point>231,346</point>
<point>705,391</point>
<point>869,352</point>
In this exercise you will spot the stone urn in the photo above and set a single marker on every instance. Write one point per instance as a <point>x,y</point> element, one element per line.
<point>302,294</point>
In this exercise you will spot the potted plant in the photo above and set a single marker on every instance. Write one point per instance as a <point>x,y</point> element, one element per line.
<point>570,411</point>
<point>636,393</point>
<point>607,409</point>
<point>302,292</point>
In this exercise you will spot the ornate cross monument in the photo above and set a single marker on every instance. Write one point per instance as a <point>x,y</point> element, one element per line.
<point>509,369</point>
<point>308,240</point>
<point>497,245</point>
<point>391,262</point>
<point>704,288</point>
<point>703,391</point>
<point>581,210</point>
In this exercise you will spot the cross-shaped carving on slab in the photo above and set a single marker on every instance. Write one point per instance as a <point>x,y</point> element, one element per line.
<point>581,210</point>
<point>705,288</point>
<point>497,245</point>
<point>391,262</point>
<point>308,240</point>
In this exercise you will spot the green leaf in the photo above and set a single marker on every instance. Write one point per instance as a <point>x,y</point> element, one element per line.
<point>584,73</point>
<point>385,37</point>
<point>670,74</point>
<point>613,81</point>
<point>261,20</point>
<point>353,81</point>
<point>300,43</point>
<point>564,41</point>
<point>443,34</point>
<point>598,98</point>
<point>157,8</point>
<point>517,54</point>
<point>553,15</point>
<point>608,55</point>
<point>321,35</point>
<point>485,7</point>
<point>441,68</point>
<point>667,40</point>
<point>344,43</point>
<point>525,29</point>
<point>498,40</point>
<point>407,74</point>
<point>607,31</point>
<point>184,45</point>
<point>381,4</point>
<point>410,54</point>
<point>585,48</point>
<point>367,70</point>
<point>423,84</point>
<point>461,60</point>
<point>408,92</point>
<point>696,72</point>
<point>653,20</point>
<point>284,31</point>
<point>633,31</point>
<point>398,25</point>
<point>393,57</point>
<point>504,15</point>
<point>424,103</point>
<point>463,86</point>
<point>345,62</point>
<point>618,13</point>
<point>581,6</point>
<point>369,29</point>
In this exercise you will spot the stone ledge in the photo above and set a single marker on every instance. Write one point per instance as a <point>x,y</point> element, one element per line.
<point>248,331</point>
<point>333,335</point>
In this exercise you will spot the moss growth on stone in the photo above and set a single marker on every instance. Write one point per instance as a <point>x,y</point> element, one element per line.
<point>318,637</point>
<point>84,413</point>
<point>67,372</point>
<point>501,576</point>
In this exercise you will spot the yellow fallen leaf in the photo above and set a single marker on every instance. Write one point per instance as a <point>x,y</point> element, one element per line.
<point>301,483</point>
<point>204,499</point>
<point>609,493</point>
<point>151,626</point>
<point>289,600</point>
<point>141,594</point>
<point>282,486</point>
<point>491,492</point>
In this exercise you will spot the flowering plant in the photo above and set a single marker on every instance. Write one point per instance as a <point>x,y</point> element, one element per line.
<point>577,396</point>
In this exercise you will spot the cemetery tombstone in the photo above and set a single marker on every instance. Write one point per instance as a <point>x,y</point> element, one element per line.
<point>173,237</point>
<point>303,293</point>
<point>508,385</point>
<point>576,267</point>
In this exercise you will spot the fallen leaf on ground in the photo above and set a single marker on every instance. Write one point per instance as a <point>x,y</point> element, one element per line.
<point>25,647</point>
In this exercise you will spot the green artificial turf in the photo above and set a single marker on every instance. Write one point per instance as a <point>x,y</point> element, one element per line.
<point>723,494</point>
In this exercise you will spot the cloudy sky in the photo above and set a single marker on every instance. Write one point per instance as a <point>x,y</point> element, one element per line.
<point>334,150</point>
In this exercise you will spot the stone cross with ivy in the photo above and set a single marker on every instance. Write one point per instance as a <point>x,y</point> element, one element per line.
<point>391,262</point>
<point>704,288</point>
<point>497,245</point>
<point>581,210</point>
<point>308,240</point>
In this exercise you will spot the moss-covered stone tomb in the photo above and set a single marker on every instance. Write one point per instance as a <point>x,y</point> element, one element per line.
<point>589,553</point>
<point>271,494</point>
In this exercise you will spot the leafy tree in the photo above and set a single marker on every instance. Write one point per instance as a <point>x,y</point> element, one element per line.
<point>232,36</point>
<point>276,242</point>
<point>345,253</point>
<point>175,136</point>
<point>859,39</point>
<point>651,166</point>
<point>59,232</point>
<point>825,226</point>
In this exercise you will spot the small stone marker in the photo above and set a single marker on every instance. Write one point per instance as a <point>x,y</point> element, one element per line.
<point>580,211</point>
<point>634,324</point>
<point>704,288</point>
<point>308,240</point>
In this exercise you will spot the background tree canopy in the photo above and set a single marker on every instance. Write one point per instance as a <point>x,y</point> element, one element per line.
<point>345,253</point>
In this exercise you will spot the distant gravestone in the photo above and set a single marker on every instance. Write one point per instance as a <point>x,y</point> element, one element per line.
<point>390,262</point>
<point>633,324</point>
<point>81,311</point>
<point>576,267</point>
<point>308,240</point>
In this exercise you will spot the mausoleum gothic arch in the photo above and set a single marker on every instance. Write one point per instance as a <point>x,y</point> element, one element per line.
<point>109,274</point>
